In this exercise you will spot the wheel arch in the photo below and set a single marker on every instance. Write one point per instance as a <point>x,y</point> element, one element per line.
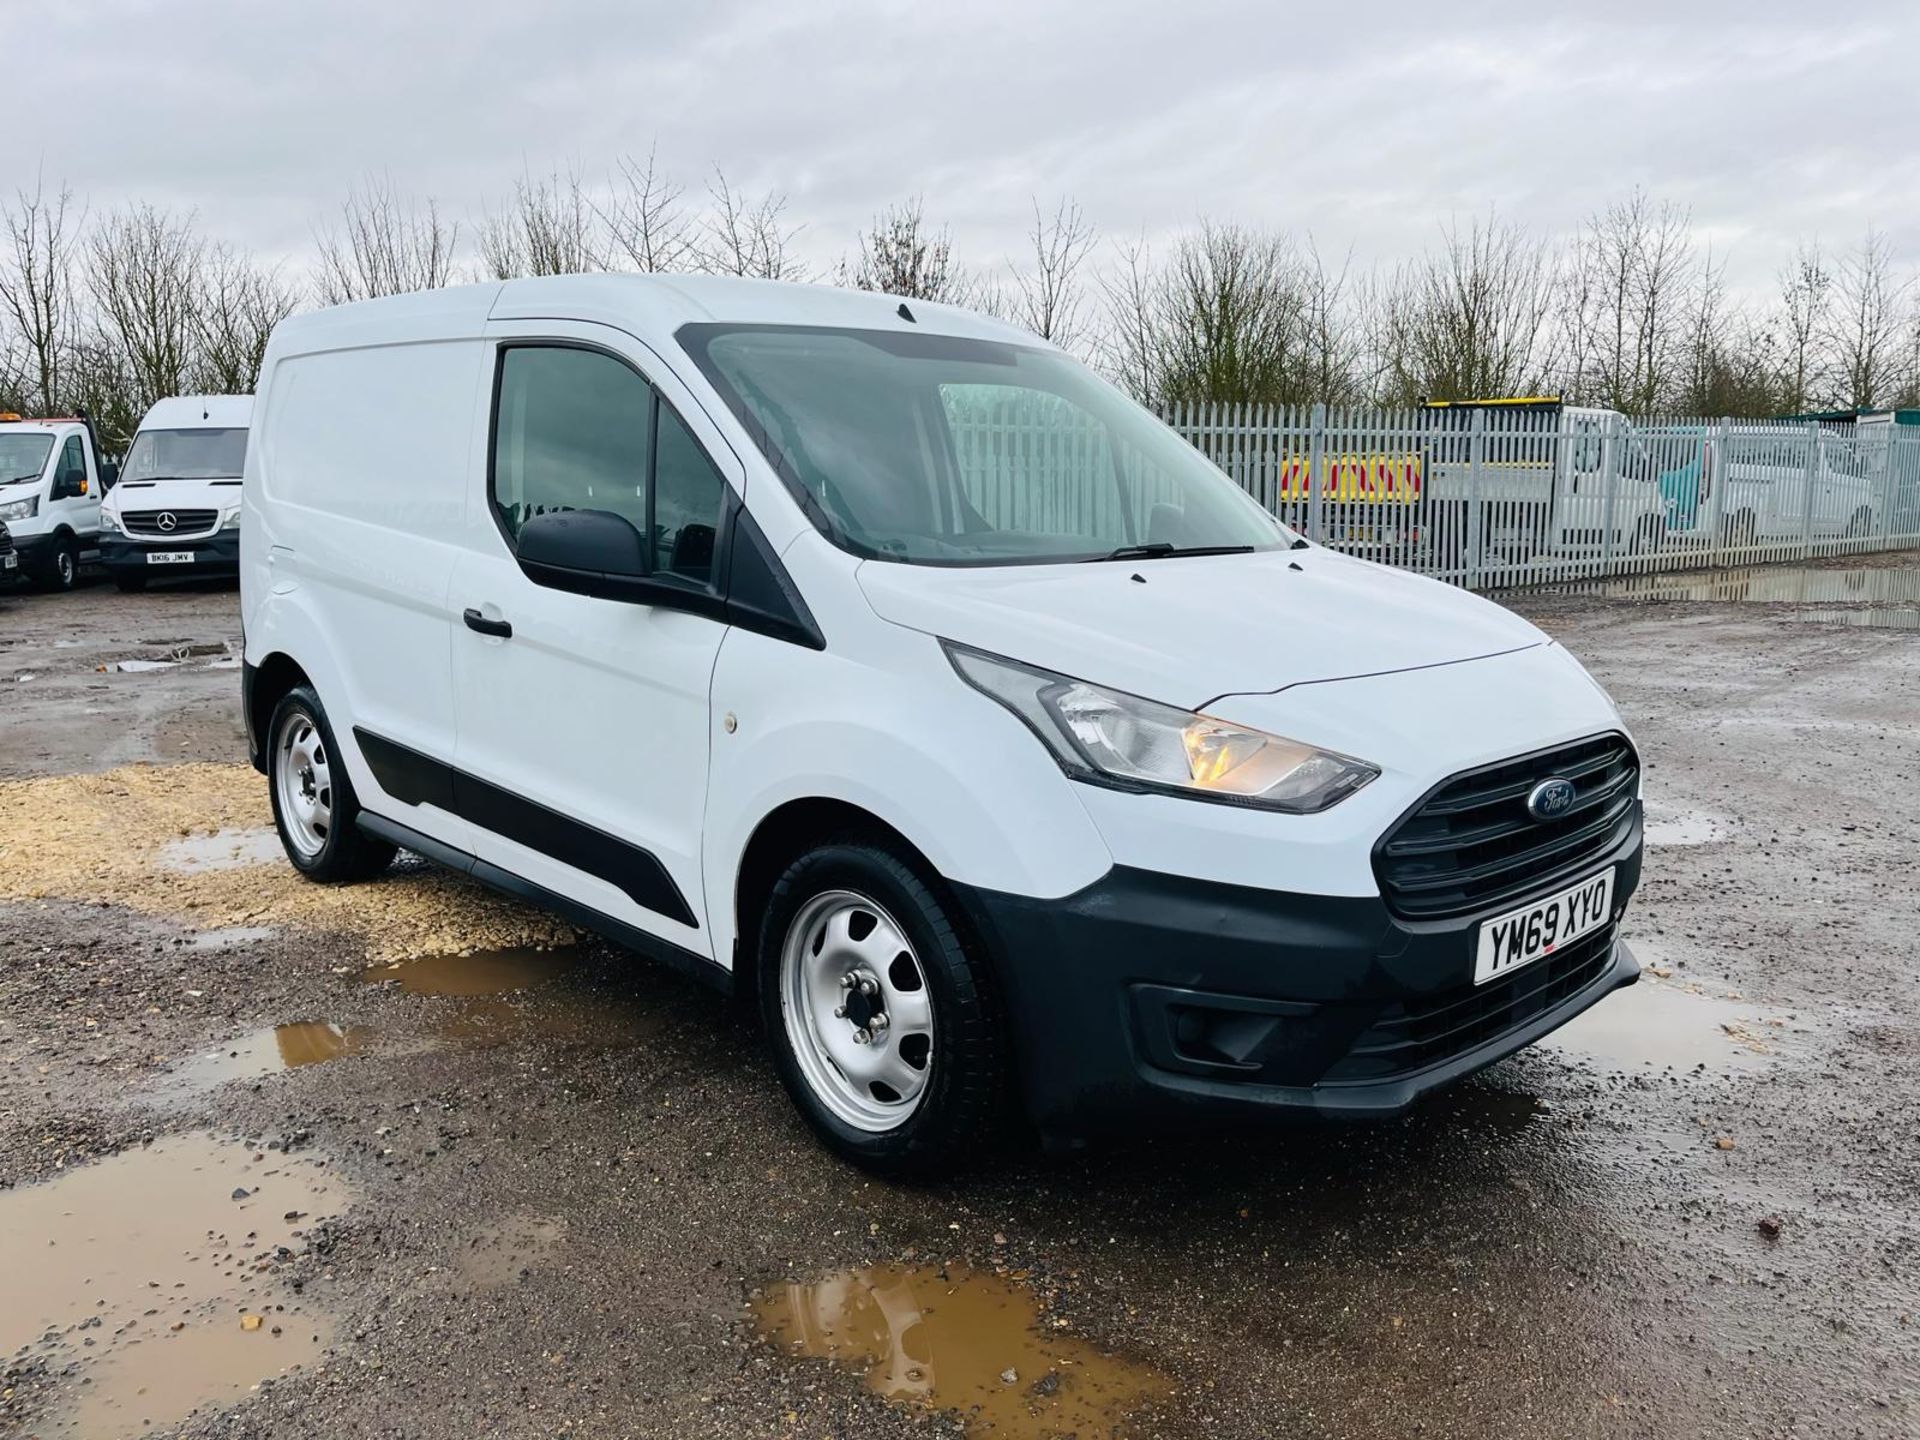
<point>784,834</point>
<point>267,682</point>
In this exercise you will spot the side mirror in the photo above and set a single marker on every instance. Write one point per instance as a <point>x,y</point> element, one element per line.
<point>109,474</point>
<point>600,554</point>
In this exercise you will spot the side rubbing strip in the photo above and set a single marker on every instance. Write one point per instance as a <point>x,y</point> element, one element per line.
<point>416,779</point>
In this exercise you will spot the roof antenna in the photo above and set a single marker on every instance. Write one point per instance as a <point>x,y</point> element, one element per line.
<point>905,314</point>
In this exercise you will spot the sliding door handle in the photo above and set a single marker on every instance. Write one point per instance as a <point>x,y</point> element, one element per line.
<point>499,629</point>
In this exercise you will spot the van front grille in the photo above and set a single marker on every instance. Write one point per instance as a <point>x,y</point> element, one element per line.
<point>1471,843</point>
<point>184,522</point>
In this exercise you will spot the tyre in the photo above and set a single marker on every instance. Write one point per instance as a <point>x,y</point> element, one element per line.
<point>1739,530</point>
<point>1861,524</point>
<point>313,804</point>
<point>130,582</point>
<point>61,570</point>
<point>885,1024</point>
<point>1650,536</point>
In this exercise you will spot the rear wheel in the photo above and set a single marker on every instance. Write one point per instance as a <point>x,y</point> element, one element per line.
<point>1861,525</point>
<point>884,1022</point>
<point>1739,529</point>
<point>1650,535</point>
<point>314,807</point>
<point>61,569</point>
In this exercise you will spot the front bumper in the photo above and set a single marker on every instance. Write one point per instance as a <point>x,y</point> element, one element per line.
<point>216,554</point>
<point>1151,999</point>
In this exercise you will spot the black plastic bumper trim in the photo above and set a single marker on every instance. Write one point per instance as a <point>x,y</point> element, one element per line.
<point>1097,984</point>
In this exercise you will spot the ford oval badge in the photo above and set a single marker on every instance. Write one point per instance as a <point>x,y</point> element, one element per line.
<point>1551,798</point>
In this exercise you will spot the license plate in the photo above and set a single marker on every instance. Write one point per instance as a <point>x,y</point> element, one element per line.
<point>170,557</point>
<point>9,561</point>
<point>1522,936</point>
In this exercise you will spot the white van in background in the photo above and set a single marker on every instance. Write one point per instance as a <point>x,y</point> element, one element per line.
<point>176,510</point>
<point>52,477</point>
<point>989,776</point>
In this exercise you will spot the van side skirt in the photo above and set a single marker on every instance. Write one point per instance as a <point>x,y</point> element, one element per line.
<point>416,779</point>
<point>714,976</point>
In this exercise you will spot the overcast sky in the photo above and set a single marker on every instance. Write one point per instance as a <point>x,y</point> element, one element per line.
<point>1368,125</point>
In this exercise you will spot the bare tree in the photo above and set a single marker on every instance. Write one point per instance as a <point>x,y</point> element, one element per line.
<point>645,222</point>
<point>37,293</point>
<point>1127,345</point>
<point>899,255</point>
<point>1223,320</point>
<point>1637,266</point>
<point>143,272</point>
<point>748,236</point>
<point>1867,328</point>
<point>1471,320</point>
<point>386,245</point>
<point>1806,297</point>
<point>237,305</point>
<point>1335,341</point>
<point>550,228</point>
<point>1047,299</point>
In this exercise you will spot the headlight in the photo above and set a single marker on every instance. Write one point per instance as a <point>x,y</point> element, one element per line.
<point>20,509</point>
<point>231,519</point>
<point>1113,738</point>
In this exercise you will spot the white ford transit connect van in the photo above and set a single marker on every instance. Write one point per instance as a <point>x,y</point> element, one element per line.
<point>176,510</point>
<point>878,662</point>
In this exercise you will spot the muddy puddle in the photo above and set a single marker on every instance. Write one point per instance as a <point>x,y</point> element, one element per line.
<point>260,1053</point>
<point>496,997</point>
<point>965,1341</point>
<point>1772,585</point>
<point>1661,1025</point>
<point>157,1275</point>
<point>480,972</point>
<point>223,850</point>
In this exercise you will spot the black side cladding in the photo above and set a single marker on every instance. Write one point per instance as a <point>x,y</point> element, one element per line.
<point>416,779</point>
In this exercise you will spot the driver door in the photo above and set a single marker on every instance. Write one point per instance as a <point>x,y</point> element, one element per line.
<point>583,734</point>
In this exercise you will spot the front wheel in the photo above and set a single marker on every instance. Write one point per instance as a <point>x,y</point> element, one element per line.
<point>1861,525</point>
<point>885,1025</point>
<point>314,807</point>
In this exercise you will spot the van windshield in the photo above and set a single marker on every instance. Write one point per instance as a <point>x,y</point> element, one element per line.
<point>23,456</point>
<point>942,450</point>
<point>186,455</point>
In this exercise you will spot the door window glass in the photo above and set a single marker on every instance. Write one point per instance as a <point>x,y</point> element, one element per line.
<point>72,478</point>
<point>686,501</point>
<point>571,432</point>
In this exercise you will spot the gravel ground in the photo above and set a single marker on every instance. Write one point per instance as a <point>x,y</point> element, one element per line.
<point>565,1200</point>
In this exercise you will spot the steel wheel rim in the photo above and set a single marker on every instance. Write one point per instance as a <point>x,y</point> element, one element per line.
<point>65,568</point>
<point>303,780</point>
<point>839,944</point>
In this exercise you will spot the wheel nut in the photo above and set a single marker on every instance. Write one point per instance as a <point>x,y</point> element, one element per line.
<point>877,1023</point>
<point>868,986</point>
<point>846,981</point>
<point>839,1012</point>
<point>861,1036</point>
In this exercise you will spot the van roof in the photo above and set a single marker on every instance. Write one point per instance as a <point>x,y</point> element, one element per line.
<point>649,305</point>
<point>193,412</point>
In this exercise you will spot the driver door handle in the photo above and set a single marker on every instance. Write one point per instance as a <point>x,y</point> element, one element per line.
<point>499,629</point>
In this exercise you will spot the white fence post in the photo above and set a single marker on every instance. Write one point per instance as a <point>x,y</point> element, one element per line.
<point>1316,481</point>
<point>1476,526</point>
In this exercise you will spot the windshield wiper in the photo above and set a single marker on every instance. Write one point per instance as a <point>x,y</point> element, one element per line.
<point>1162,549</point>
